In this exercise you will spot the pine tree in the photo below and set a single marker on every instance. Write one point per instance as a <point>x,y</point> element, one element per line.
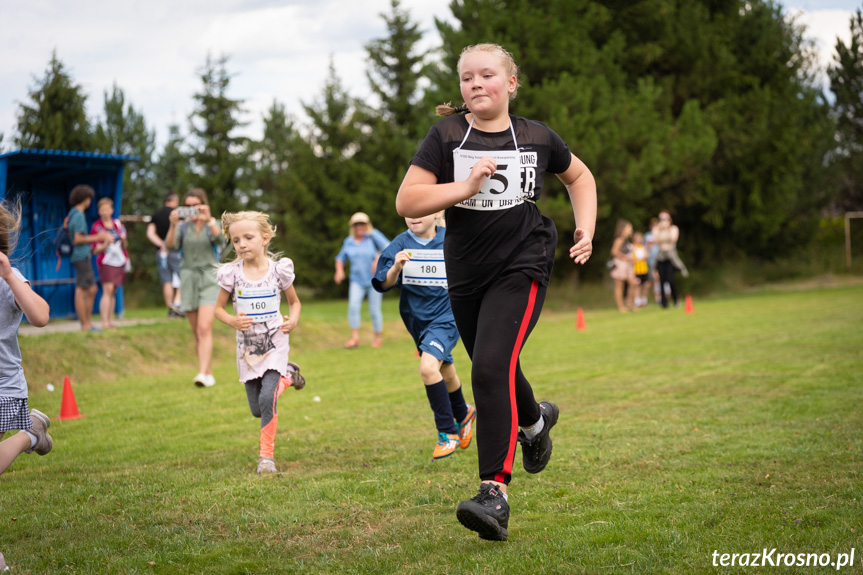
<point>56,118</point>
<point>705,108</point>
<point>171,171</point>
<point>846,82</point>
<point>398,121</point>
<point>219,157</point>
<point>124,131</point>
<point>273,173</point>
<point>332,182</point>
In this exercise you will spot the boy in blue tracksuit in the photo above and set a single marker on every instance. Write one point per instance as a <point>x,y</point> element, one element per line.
<point>414,261</point>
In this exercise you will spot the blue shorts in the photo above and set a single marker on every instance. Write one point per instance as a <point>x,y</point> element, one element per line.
<point>169,268</point>
<point>438,339</point>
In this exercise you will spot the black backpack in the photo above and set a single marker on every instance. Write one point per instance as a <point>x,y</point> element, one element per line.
<point>62,243</point>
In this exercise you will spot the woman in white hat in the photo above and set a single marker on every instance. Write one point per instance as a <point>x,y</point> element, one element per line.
<point>361,249</point>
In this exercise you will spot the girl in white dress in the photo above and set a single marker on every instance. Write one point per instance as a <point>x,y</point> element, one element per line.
<point>255,281</point>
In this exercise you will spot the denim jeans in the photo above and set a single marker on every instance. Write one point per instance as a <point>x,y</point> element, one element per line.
<point>356,294</point>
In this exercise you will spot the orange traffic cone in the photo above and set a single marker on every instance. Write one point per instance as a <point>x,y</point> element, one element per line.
<point>68,408</point>
<point>580,324</point>
<point>687,307</point>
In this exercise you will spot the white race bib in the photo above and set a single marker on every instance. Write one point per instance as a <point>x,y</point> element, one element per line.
<point>261,304</point>
<point>502,190</point>
<point>425,268</point>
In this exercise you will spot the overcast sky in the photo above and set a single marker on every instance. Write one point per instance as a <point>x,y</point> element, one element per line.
<point>277,49</point>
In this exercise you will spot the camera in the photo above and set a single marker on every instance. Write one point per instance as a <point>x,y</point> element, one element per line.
<point>187,212</point>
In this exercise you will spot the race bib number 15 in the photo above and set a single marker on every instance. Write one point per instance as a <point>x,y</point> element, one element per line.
<point>502,190</point>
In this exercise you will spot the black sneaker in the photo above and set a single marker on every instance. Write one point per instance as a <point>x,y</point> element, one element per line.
<point>536,452</point>
<point>487,513</point>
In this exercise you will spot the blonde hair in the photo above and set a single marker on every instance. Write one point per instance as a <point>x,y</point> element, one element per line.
<point>10,224</point>
<point>267,229</point>
<point>508,63</point>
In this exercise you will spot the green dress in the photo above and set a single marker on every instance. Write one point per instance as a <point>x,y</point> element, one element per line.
<point>198,285</point>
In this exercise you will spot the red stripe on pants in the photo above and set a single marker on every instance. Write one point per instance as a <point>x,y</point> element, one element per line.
<point>513,362</point>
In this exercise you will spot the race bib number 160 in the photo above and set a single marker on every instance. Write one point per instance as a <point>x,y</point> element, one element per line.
<point>260,304</point>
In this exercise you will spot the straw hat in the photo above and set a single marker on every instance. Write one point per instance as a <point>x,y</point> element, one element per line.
<point>360,218</point>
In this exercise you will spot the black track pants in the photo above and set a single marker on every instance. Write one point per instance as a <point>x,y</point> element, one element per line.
<point>494,327</point>
<point>666,275</point>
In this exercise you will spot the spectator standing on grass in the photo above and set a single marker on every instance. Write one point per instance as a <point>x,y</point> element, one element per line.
<point>486,168</point>
<point>167,260</point>
<point>198,236</point>
<point>361,249</point>
<point>652,252</point>
<point>666,234</point>
<point>424,307</point>
<point>254,282</point>
<point>111,259</point>
<point>621,273</point>
<point>17,299</point>
<point>641,269</point>
<point>85,278</point>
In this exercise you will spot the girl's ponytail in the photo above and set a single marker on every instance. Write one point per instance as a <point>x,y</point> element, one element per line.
<point>448,110</point>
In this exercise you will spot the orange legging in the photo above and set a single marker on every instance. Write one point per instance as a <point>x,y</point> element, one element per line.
<point>263,394</point>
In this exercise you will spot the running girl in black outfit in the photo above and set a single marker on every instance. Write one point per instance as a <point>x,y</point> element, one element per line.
<point>486,169</point>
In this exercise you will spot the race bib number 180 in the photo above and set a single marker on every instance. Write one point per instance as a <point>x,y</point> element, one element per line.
<point>260,304</point>
<point>425,268</point>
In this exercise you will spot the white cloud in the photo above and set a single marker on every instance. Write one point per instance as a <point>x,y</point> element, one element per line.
<point>824,27</point>
<point>153,51</point>
<point>277,49</point>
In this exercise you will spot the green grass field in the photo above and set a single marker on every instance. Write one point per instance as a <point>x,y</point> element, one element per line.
<point>734,429</point>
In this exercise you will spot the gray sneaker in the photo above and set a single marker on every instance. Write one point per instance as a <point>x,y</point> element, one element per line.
<point>266,465</point>
<point>41,423</point>
<point>299,380</point>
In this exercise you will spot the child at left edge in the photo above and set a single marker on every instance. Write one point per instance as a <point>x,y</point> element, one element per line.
<point>425,309</point>
<point>16,300</point>
<point>254,281</point>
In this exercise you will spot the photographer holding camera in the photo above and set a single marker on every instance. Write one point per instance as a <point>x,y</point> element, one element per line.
<point>197,233</point>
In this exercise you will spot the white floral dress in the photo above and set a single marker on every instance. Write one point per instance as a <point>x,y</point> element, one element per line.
<point>264,345</point>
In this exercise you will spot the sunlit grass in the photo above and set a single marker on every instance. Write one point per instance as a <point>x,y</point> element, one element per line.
<point>736,428</point>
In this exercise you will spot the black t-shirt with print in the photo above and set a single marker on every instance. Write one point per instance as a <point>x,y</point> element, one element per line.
<point>480,245</point>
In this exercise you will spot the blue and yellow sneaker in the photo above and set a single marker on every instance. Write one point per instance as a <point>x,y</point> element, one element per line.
<point>447,443</point>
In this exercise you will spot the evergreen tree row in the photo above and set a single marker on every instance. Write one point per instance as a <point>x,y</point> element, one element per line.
<point>707,108</point>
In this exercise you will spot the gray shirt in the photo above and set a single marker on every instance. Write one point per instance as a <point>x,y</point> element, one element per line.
<point>12,382</point>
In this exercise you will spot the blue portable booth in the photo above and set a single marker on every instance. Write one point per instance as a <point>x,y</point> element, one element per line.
<point>41,180</point>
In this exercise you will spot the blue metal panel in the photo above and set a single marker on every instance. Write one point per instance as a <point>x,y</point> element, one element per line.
<point>43,179</point>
